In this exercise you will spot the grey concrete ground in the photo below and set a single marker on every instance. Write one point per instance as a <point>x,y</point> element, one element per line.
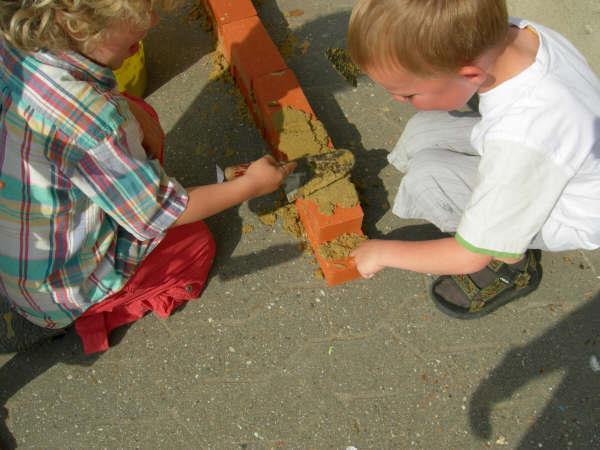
<point>269,356</point>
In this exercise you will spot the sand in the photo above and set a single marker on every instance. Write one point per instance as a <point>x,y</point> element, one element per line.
<point>327,170</point>
<point>341,247</point>
<point>299,134</point>
<point>341,62</point>
<point>341,193</point>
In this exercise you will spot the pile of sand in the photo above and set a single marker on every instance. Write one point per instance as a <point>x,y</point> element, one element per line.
<point>341,247</point>
<point>299,134</point>
<point>342,193</point>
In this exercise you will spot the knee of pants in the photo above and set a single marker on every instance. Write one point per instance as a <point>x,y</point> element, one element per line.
<point>413,136</point>
<point>437,129</point>
<point>427,166</point>
<point>419,184</point>
<point>418,122</point>
<point>422,128</point>
<point>432,190</point>
<point>205,238</point>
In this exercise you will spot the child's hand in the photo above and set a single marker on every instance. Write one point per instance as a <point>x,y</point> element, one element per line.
<point>261,177</point>
<point>366,257</point>
<point>266,174</point>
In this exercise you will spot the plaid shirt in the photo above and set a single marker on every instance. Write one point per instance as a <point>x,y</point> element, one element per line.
<point>82,205</point>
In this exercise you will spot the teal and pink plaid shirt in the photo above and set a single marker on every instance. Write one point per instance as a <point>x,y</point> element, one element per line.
<point>82,205</point>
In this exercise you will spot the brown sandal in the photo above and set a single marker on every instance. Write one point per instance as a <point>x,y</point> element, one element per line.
<point>475,295</point>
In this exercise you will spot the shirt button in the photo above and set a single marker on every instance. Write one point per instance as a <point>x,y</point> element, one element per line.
<point>189,288</point>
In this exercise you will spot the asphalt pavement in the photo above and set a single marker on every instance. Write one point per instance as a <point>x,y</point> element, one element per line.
<point>270,356</point>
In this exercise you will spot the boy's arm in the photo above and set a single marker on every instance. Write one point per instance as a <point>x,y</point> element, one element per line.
<point>263,176</point>
<point>440,256</point>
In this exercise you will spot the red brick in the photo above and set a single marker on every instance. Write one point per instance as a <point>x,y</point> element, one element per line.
<point>334,271</point>
<point>339,271</point>
<point>246,44</point>
<point>268,85</point>
<point>228,11</point>
<point>324,227</point>
<point>272,92</point>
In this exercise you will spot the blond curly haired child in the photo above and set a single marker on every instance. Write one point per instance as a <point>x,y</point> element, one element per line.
<point>92,229</point>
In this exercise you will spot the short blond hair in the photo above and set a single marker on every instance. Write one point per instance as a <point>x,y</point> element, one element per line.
<point>425,37</point>
<point>31,25</point>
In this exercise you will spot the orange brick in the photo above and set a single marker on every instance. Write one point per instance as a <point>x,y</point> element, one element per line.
<point>250,50</point>
<point>268,85</point>
<point>228,11</point>
<point>272,92</point>
<point>334,271</point>
<point>324,227</point>
<point>338,271</point>
<point>277,89</point>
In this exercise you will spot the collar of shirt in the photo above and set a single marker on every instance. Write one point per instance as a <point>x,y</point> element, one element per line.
<point>79,66</point>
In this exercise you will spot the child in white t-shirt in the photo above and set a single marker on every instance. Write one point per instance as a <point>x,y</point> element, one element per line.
<point>520,176</point>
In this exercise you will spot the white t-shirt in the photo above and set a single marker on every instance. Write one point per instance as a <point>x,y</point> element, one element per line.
<point>539,140</point>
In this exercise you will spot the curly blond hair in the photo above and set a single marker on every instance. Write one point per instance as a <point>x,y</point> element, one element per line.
<point>31,25</point>
<point>425,37</point>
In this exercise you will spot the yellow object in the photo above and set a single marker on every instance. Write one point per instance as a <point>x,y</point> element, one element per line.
<point>131,76</point>
<point>10,332</point>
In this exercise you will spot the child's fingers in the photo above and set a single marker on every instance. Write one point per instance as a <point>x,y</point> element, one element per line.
<point>363,264</point>
<point>288,167</point>
<point>284,167</point>
<point>364,272</point>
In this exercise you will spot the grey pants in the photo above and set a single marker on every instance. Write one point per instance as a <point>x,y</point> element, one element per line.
<point>440,167</point>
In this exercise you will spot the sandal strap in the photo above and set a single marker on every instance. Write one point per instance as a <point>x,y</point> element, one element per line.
<point>467,285</point>
<point>512,277</point>
<point>487,293</point>
<point>506,278</point>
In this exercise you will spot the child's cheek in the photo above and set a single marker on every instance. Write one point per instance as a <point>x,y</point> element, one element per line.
<point>420,103</point>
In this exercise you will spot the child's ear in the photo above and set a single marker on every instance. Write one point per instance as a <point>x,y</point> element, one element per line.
<point>473,74</point>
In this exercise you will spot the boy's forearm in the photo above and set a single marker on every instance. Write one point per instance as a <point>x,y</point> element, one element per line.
<point>441,257</point>
<point>205,201</point>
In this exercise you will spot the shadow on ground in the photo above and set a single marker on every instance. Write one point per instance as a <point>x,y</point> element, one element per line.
<point>321,83</point>
<point>26,366</point>
<point>569,347</point>
<point>214,109</point>
<point>571,418</point>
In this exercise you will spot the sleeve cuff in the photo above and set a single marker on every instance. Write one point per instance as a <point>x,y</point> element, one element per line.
<point>484,251</point>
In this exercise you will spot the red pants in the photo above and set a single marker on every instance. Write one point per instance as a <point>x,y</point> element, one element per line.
<point>174,273</point>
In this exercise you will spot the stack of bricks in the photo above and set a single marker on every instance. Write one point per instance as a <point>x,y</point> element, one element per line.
<point>268,85</point>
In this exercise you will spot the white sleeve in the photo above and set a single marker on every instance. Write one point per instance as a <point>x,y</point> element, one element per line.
<point>518,188</point>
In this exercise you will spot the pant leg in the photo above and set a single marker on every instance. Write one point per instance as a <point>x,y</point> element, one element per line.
<point>437,187</point>
<point>440,166</point>
<point>434,129</point>
<point>175,272</point>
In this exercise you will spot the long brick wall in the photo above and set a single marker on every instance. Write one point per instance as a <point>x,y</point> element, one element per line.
<point>268,85</point>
